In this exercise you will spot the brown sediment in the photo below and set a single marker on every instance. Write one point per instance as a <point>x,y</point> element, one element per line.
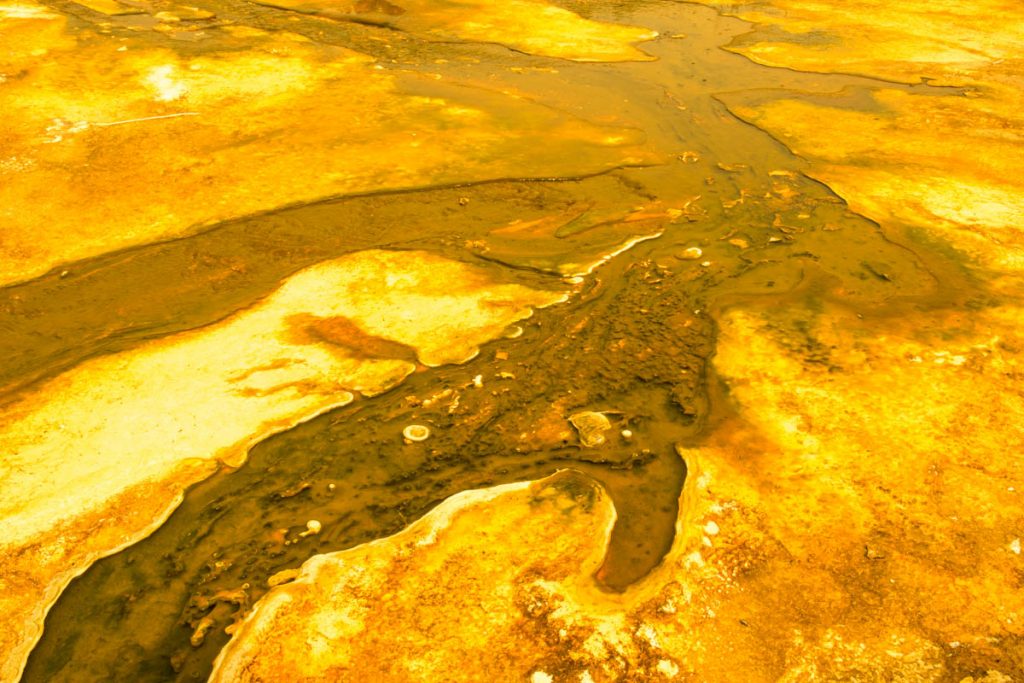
<point>566,518</point>
<point>784,576</point>
<point>118,301</point>
<point>514,427</point>
<point>78,444</point>
<point>339,331</point>
<point>641,329</point>
<point>787,575</point>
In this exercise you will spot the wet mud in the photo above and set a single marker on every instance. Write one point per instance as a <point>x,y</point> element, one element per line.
<point>738,220</point>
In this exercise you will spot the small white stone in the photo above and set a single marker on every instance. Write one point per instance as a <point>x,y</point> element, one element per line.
<point>668,668</point>
<point>416,432</point>
<point>692,253</point>
<point>647,632</point>
<point>478,381</point>
<point>541,677</point>
<point>1015,546</point>
<point>627,434</point>
<point>711,528</point>
<point>313,527</point>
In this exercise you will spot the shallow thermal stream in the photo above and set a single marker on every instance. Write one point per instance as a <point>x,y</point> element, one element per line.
<point>620,177</point>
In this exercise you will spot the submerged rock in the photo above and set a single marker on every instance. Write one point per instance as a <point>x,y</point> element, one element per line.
<point>591,427</point>
<point>416,433</point>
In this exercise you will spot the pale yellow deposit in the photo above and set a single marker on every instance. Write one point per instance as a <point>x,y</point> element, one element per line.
<point>530,26</point>
<point>468,588</point>
<point>160,143</point>
<point>948,158</point>
<point>948,163</point>
<point>847,525</point>
<point>945,41</point>
<point>94,458</point>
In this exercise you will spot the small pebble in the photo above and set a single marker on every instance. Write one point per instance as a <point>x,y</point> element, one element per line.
<point>591,427</point>
<point>691,254</point>
<point>283,576</point>
<point>416,432</point>
<point>202,628</point>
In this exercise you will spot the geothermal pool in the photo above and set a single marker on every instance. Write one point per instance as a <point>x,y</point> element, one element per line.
<point>623,340</point>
